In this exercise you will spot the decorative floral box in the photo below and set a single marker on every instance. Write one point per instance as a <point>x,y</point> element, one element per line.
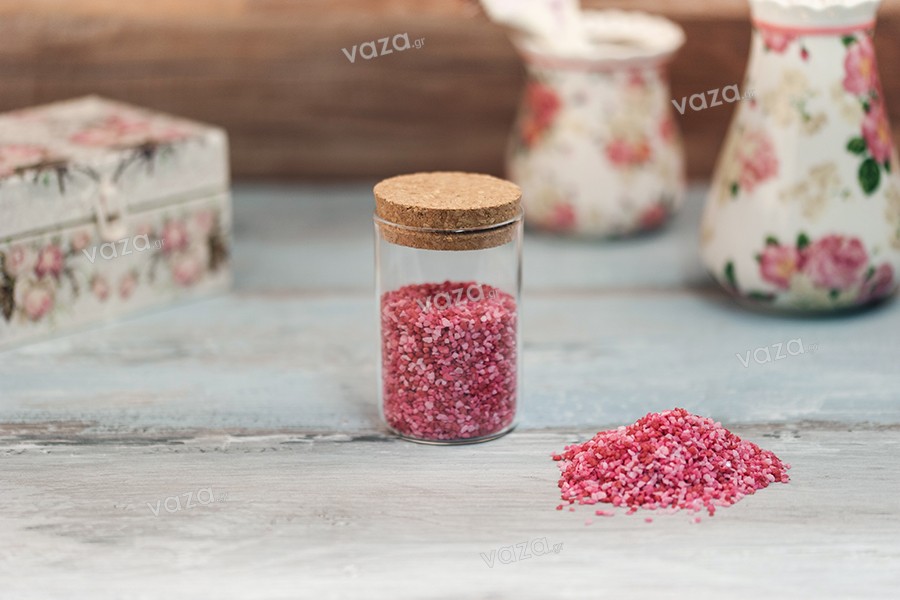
<point>107,209</point>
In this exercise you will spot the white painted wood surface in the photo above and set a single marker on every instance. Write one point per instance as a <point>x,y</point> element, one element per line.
<point>266,396</point>
<point>343,517</point>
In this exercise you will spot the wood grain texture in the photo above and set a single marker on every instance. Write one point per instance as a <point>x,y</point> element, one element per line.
<point>272,72</point>
<point>110,438</point>
<point>300,516</point>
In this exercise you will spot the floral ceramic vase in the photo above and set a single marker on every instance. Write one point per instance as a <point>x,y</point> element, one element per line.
<point>595,148</point>
<point>804,211</point>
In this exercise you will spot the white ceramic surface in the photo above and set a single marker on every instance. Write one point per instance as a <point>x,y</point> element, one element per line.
<point>595,147</point>
<point>804,209</point>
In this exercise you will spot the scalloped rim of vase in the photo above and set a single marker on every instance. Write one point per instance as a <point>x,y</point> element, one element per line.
<point>620,38</point>
<point>826,15</point>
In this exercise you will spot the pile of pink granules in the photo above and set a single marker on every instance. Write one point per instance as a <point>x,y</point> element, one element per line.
<point>672,459</point>
<point>448,360</point>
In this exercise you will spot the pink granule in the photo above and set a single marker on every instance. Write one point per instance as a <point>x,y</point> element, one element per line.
<point>448,360</point>
<point>671,459</point>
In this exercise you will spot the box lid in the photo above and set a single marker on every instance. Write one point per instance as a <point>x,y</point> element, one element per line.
<point>92,159</point>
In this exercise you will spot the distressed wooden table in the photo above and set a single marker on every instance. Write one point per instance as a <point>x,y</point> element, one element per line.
<point>232,449</point>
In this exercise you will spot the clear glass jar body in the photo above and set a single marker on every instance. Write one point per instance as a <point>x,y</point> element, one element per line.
<point>449,346</point>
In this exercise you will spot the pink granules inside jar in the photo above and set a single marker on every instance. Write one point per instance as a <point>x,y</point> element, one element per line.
<point>448,358</point>
<point>672,459</point>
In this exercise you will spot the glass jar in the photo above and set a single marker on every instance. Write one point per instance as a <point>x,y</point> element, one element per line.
<point>448,250</point>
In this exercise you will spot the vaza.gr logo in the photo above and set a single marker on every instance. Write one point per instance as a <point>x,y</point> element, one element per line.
<point>444,300</point>
<point>713,97</point>
<point>173,503</point>
<point>762,355</point>
<point>114,253</point>
<point>369,50</point>
<point>507,555</point>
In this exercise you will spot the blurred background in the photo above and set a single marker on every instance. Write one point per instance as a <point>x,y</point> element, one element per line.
<point>272,72</point>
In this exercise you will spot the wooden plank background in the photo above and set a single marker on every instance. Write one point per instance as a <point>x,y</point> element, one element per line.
<point>272,72</point>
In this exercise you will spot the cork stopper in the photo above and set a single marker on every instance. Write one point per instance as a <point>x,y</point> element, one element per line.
<point>448,210</point>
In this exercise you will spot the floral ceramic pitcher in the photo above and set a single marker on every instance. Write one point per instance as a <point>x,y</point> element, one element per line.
<point>595,149</point>
<point>804,212</point>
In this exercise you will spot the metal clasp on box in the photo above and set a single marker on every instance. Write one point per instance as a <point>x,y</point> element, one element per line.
<point>111,212</point>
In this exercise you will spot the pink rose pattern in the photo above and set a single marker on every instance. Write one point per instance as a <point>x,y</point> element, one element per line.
<point>204,221</point>
<point>29,278</point>
<point>80,240</point>
<point>14,157</point>
<point>861,71</point>
<point>33,274</point>
<point>561,218</point>
<point>538,114</point>
<point>175,237</point>
<point>757,159</point>
<point>540,108</point>
<point>19,260</point>
<point>628,153</point>
<point>875,143</point>
<point>836,264</point>
<point>667,130</point>
<point>127,285</point>
<point>49,262</point>
<point>126,130</point>
<point>188,268</point>
<point>117,128</point>
<point>877,133</point>
<point>100,287</point>
<point>778,264</point>
<point>633,149</point>
<point>654,216</point>
<point>879,284</point>
<point>779,40</point>
<point>36,297</point>
<point>776,40</point>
